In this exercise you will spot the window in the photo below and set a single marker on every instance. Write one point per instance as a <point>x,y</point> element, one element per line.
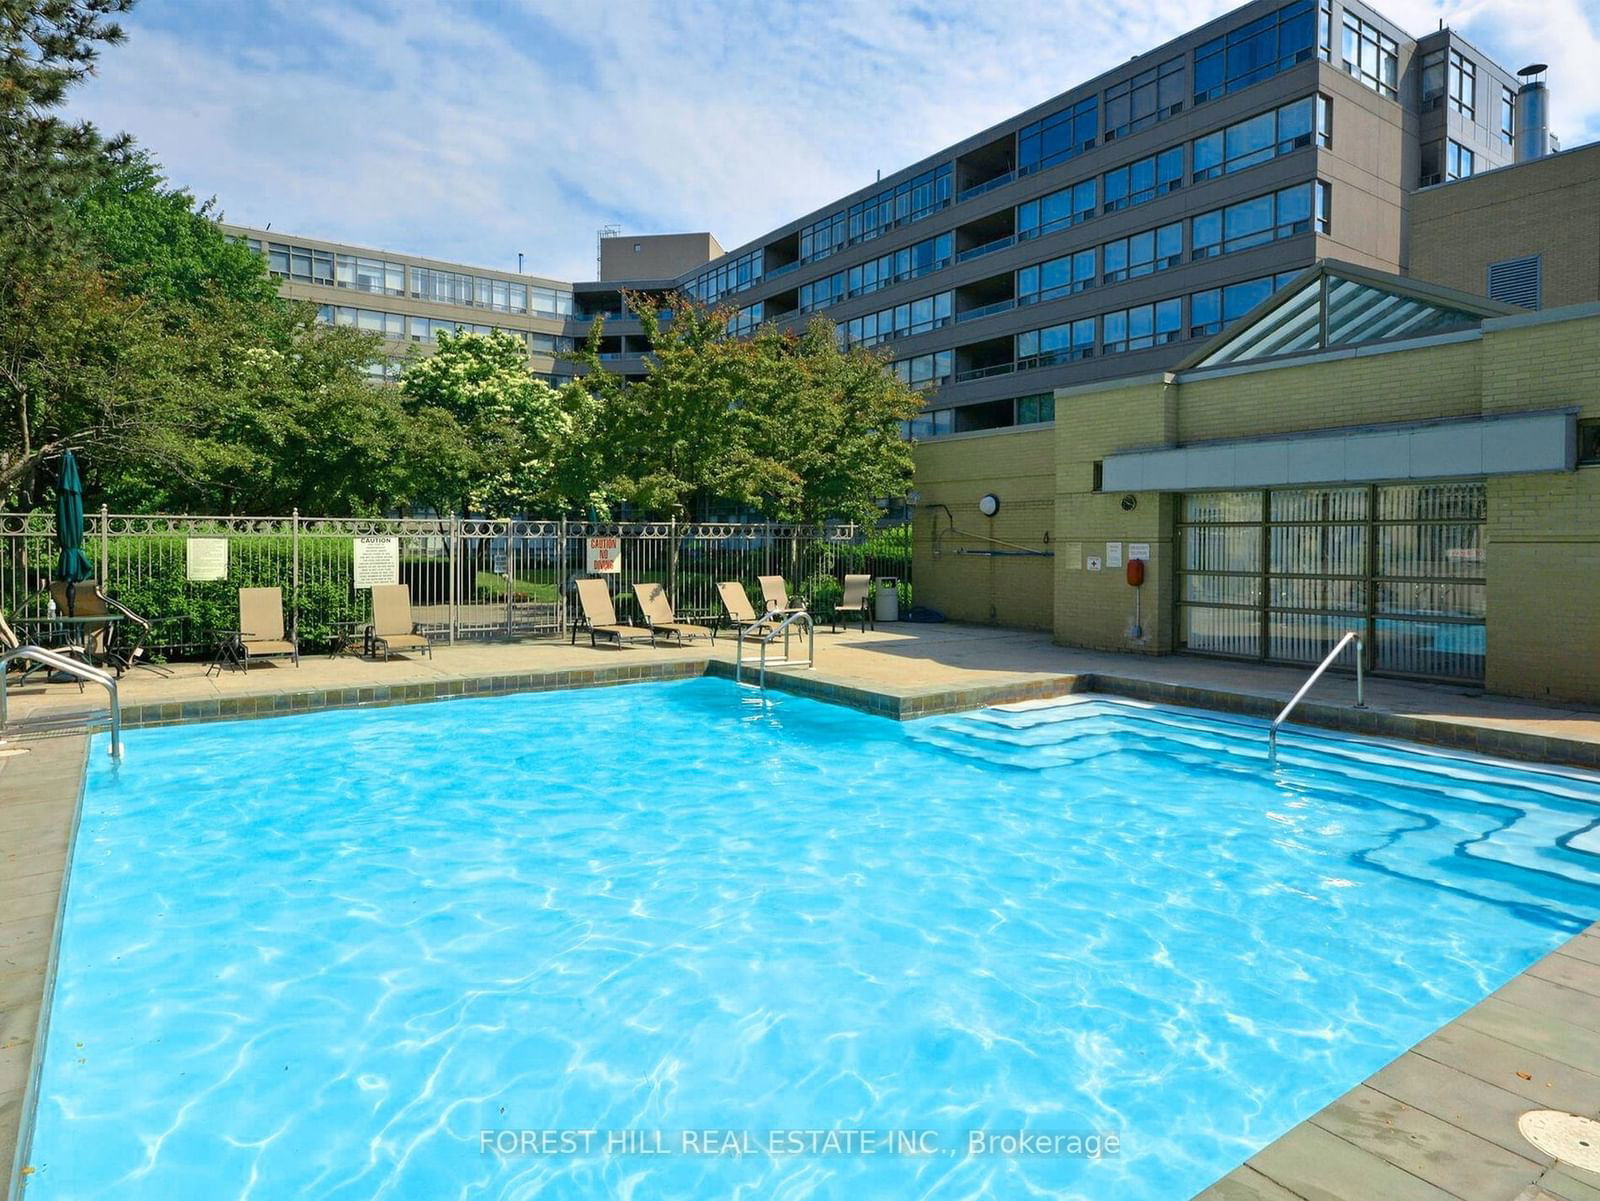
<point>934,423</point>
<point>1055,344</point>
<point>390,325</point>
<point>1371,55</point>
<point>1458,160</point>
<point>370,275</point>
<point>1256,51</point>
<point>1325,30</point>
<point>1463,84</point>
<point>1516,281</point>
<point>1589,442</point>
<point>1142,253</point>
<point>907,201</point>
<point>902,321</point>
<point>1211,310</point>
<point>1433,79</point>
<point>1033,410</point>
<point>1142,326</point>
<point>1508,115</point>
<point>1261,138</point>
<point>819,294</point>
<point>1300,209</point>
<point>910,262</point>
<point>925,370</point>
<point>745,320</point>
<point>1150,96</point>
<point>1064,276</point>
<point>1144,180</point>
<point>1059,210</point>
<point>729,277</point>
<point>1058,137</point>
<point>549,302</point>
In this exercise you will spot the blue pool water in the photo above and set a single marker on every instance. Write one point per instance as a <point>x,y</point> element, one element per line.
<point>318,957</point>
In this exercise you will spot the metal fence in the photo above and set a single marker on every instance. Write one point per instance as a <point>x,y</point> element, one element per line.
<point>470,578</point>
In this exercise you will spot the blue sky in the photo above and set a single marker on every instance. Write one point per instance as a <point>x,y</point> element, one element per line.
<point>475,129</point>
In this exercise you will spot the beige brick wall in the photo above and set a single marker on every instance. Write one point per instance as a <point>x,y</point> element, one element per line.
<point>1442,382</point>
<point>1543,531</point>
<point>1018,466</point>
<point>1550,207</point>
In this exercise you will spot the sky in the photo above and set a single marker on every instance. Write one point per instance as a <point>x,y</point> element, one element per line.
<point>472,130</point>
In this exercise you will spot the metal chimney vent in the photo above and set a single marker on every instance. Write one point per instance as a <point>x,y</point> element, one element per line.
<point>1533,114</point>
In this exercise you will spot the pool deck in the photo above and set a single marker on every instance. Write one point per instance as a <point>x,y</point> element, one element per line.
<point>1437,1124</point>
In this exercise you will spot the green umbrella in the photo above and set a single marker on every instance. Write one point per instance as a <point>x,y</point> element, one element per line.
<point>73,566</point>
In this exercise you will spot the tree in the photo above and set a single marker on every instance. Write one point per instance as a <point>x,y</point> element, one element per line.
<point>785,424</point>
<point>46,46</point>
<point>525,446</point>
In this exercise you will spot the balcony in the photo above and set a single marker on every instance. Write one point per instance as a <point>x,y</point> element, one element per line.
<point>986,168</point>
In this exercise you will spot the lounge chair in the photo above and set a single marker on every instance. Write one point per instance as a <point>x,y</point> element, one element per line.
<point>775,594</point>
<point>657,610</point>
<point>392,627</point>
<point>740,615</point>
<point>854,601</point>
<point>10,642</point>
<point>600,615</point>
<point>261,626</point>
<point>98,641</point>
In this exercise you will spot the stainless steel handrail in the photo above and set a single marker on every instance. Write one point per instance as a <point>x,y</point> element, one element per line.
<point>72,667</point>
<point>799,616</point>
<point>1361,699</point>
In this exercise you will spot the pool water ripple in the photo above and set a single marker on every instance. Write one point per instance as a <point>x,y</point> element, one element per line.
<point>315,957</point>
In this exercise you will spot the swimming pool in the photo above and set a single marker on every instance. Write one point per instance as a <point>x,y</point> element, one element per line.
<point>350,954</point>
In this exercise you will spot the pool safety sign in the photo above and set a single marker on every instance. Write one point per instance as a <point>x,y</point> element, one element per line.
<point>605,555</point>
<point>206,558</point>
<point>377,561</point>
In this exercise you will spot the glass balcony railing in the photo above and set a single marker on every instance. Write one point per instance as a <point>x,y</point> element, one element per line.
<point>985,372</point>
<point>999,306</point>
<point>977,252</point>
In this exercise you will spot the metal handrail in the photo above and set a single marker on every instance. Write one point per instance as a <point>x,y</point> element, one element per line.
<point>72,667</point>
<point>1361,700</point>
<point>766,640</point>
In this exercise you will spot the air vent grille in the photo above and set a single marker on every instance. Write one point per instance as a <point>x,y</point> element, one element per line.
<point>1516,281</point>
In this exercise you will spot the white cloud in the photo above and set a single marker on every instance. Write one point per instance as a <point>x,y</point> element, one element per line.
<point>475,134</point>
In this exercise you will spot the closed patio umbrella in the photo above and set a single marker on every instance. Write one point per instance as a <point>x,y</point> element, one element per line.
<point>73,565</point>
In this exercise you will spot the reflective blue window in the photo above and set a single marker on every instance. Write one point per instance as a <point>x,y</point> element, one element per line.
<point>1058,137</point>
<point>1256,51</point>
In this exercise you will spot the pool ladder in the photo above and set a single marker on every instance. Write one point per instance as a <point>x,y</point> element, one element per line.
<point>1361,688</point>
<point>76,669</point>
<point>798,618</point>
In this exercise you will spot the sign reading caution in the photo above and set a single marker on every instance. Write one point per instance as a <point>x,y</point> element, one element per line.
<point>605,555</point>
<point>377,561</point>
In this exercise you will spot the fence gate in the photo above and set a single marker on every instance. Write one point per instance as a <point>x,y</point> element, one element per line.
<point>1278,575</point>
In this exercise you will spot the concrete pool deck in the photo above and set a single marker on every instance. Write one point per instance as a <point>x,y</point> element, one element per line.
<point>1438,1124</point>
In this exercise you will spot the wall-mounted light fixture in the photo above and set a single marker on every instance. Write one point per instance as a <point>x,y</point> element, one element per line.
<point>988,504</point>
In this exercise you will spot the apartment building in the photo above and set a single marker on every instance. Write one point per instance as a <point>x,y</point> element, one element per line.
<point>1098,234</point>
<point>409,299</point>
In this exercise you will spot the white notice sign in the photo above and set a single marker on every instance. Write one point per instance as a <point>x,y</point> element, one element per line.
<point>1113,554</point>
<point>605,555</point>
<point>1139,550</point>
<point>207,558</point>
<point>1092,563</point>
<point>377,561</point>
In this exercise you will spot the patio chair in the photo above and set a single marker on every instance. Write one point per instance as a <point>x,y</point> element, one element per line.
<point>10,642</point>
<point>261,632</point>
<point>392,627</point>
<point>741,616</point>
<point>99,641</point>
<point>855,602</point>
<point>600,615</point>
<point>657,610</point>
<point>775,594</point>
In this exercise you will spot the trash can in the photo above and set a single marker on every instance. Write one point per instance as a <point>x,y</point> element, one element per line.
<point>888,604</point>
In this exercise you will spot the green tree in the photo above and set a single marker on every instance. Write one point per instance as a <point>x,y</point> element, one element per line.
<point>786,424</point>
<point>46,162</point>
<point>160,244</point>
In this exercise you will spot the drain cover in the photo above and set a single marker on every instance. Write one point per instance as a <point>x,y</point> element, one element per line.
<point>1566,1136</point>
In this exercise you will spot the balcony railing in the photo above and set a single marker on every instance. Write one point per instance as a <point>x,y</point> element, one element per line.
<point>999,306</point>
<point>977,252</point>
<point>987,185</point>
<point>985,372</point>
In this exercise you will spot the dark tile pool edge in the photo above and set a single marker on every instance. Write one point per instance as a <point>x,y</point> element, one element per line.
<point>308,700</point>
<point>75,753</point>
<point>1438,1122</point>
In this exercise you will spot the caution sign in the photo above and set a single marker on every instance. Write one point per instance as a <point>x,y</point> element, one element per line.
<point>605,555</point>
